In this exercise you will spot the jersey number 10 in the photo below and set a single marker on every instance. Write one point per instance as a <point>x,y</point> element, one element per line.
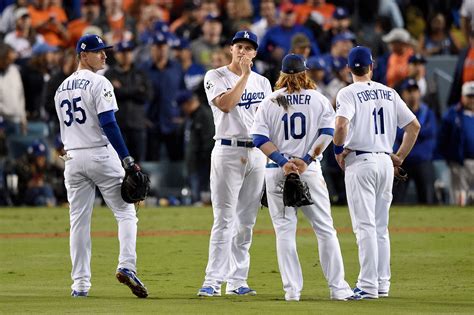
<point>380,113</point>
<point>296,117</point>
<point>72,109</point>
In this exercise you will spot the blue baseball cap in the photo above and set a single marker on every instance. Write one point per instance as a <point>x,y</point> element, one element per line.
<point>159,38</point>
<point>43,48</point>
<point>293,63</point>
<point>338,63</point>
<point>408,84</point>
<point>245,36</point>
<point>417,58</point>
<point>91,42</point>
<point>37,148</point>
<point>340,13</point>
<point>125,46</point>
<point>343,36</point>
<point>184,96</point>
<point>360,56</point>
<point>316,63</point>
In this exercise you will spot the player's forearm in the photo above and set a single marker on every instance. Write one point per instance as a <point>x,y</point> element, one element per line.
<point>340,130</point>
<point>228,100</point>
<point>319,145</point>
<point>112,131</point>
<point>409,139</point>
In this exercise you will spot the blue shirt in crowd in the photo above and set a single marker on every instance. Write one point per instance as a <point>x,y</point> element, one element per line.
<point>426,142</point>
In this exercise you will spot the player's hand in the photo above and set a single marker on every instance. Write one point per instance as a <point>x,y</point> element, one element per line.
<point>300,164</point>
<point>396,160</point>
<point>340,158</point>
<point>290,167</point>
<point>246,65</point>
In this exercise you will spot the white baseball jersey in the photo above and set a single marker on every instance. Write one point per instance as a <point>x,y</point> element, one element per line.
<point>293,131</point>
<point>374,111</point>
<point>78,101</point>
<point>236,123</point>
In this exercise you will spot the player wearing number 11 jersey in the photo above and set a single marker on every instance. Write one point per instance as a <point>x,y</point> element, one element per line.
<point>85,105</point>
<point>367,116</point>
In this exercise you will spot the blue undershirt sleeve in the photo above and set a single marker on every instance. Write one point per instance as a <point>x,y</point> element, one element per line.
<point>260,140</point>
<point>326,131</point>
<point>112,131</point>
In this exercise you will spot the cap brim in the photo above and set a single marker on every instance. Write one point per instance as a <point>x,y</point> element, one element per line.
<point>255,45</point>
<point>100,48</point>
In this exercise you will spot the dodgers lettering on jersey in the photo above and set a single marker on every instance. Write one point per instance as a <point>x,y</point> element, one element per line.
<point>374,111</point>
<point>293,131</point>
<point>78,101</point>
<point>236,123</point>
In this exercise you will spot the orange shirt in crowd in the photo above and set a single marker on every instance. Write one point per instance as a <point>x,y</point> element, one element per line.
<point>51,32</point>
<point>397,67</point>
<point>468,70</point>
<point>303,11</point>
<point>75,29</point>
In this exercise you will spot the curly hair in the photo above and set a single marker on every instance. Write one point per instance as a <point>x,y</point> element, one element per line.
<point>294,82</point>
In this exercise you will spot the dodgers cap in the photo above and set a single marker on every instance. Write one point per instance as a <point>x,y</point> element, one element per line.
<point>159,38</point>
<point>316,63</point>
<point>37,148</point>
<point>340,13</point>
<point>91,42</point>
<point>345,36</point>
<point>293,63</point>
<point>359,56</point>
<point>245,36</point>
<point>43,48</point>
<point>408,84</point>
<point>125,46</point>
<point>184,96</point>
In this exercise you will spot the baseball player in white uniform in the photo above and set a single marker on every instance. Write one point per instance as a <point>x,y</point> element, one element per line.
<point>367,116</point>
<point>237,168</point>
<point>294,137</point>
<point>85,105</point>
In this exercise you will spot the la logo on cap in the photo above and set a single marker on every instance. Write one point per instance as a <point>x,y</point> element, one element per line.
<point>99,39</point>
<point>246,35</point>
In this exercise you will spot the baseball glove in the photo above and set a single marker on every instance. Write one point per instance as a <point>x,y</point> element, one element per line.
<point>135,185</point>
<point>400,175</point>
<point>296,192</point>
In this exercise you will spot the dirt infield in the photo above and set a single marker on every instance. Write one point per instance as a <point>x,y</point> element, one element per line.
<point>162,233</point>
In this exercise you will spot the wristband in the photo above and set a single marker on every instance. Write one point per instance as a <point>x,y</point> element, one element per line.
<point>338,149</point>
<point>278,158</point>
<point>307,159</point>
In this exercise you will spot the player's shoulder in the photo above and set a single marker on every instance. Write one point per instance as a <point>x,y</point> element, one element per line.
<point>217,73</point>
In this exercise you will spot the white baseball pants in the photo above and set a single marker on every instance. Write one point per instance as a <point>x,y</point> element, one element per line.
<point>237,175</point>
<point>319,215</point>
<point>369,181</point>
<point>86,169</point>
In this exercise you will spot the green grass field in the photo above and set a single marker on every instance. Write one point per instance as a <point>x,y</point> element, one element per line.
<point>432,265</point>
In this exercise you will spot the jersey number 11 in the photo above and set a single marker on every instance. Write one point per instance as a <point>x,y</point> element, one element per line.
<point>380,113</point>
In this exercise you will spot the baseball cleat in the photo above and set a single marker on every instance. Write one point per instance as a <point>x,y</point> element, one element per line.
<point>208,291</point>
<point>353,297</point>
<point>242,291</point>
<point>364,295</point>
<point>130,279</point>
<point>383,293</point>
<point>77,294</point>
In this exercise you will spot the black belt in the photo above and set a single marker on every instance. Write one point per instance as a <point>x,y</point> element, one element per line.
<point>358,152</point>
<point>245,144</point>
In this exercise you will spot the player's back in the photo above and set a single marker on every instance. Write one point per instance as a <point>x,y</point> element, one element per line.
<point>293,130</point>
<point>374,111</point>
<point>78,101</point>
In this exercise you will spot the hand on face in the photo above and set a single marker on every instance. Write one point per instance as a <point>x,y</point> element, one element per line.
<point>246,65</point>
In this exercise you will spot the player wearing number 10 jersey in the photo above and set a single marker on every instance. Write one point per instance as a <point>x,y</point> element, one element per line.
<point>293,126</point>
<point>85,104</point>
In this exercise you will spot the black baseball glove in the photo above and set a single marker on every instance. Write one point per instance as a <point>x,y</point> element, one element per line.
<point>400,175</point>
<point>296,192</point>
<point>135,185</point>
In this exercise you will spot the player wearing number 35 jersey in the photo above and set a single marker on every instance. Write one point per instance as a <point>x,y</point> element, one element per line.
<point>367,116</point>
<point>85,105</point>
<point>293,126</point>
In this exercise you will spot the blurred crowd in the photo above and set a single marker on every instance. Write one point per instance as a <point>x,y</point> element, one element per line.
<point>162,50</point>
